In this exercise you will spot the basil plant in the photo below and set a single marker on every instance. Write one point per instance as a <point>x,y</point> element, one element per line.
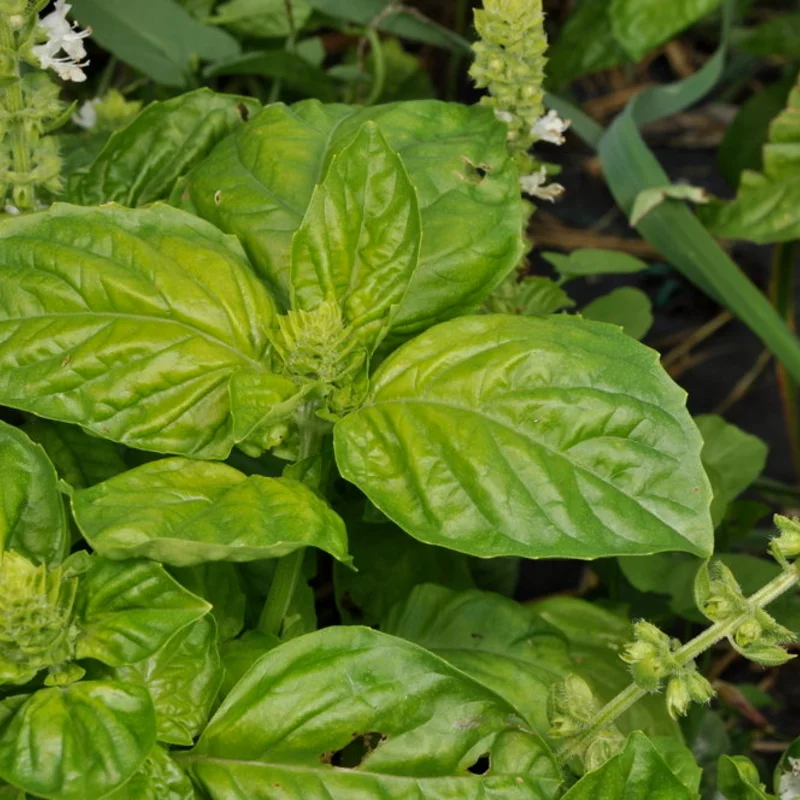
<point>249,343</point>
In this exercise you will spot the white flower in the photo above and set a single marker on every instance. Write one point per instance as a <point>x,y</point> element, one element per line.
<point>12,211</point>
<point>550,128</point>
<point>504,116</point>
<point>534,185</point>
<point>62,36</point>
<point>86,116</point>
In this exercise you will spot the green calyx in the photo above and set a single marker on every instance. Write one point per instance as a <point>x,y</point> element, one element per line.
<point>36,614</point>
<point>509,63</point>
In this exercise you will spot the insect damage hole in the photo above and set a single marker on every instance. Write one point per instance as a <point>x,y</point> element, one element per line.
<point>474,173</point>
<point>353,754</point>
<point>481,766</point>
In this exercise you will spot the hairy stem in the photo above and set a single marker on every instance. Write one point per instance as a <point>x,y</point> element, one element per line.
<point>288,570</point>
<point>685,654</point>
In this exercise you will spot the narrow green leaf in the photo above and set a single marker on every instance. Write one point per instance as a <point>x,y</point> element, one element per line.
<point>289,67</point>
<point>183,679</point>
<point>627,307</point>
<point>359,242</point>
<point>637,773</point>
<point>78,742</point>
<point>157,37</point>
<point>128,610</point>
<point>400,22</point>
<point>263,178</point>
<point>142,162</point>
<point>184,512</point>
<point>586,446</point>
<point>80,459</point>
<point>32,519</point>
<point>350,712</point>
<point>130,323</point>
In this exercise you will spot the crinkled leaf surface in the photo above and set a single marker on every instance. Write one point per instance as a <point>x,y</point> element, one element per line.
<point>32,519</point>
<point>259,182</point>
<point>532,295</point>
<point>128,322</point>
<point>218,582</point>
<point>358,244</point>
<point>596,638</point>
<point>80,459</point>
<point>637,773</point>
<point>184,512</point>
<point>128,610</point>
<point>78,742</point>
<point>390,564</point>
<point>489,637</point>
<point>160,778</point>
<point>422,724</point>
<point>183,679</point>
<point>141,163</point>
<point>553,437</point>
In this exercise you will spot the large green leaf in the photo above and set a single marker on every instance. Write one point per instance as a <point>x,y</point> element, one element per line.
<point>596,638</point>
<point>390,564</point>
<point>359,242</point>
<point>349,713</point>
<point>555,437</point>
<point>32,519</point>
<point>160,778</point>
<point>78,742</point>
<point>183,679</point>
<point>157,37</point>
<point>142,162</point>
<point>639,25</point>
<point>126,611</point>
<point>80,459</point>
<point>183,512</point>
<point>130,323</point>
<point>637,773</point>
<point>259,182</point>
<point>490,638</point>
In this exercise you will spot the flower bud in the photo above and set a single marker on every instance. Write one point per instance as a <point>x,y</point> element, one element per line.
<point>571,706</point>
<point>678,696</point>
<point>700,690</point>
<point>788,543</point>
<point>748,633</point>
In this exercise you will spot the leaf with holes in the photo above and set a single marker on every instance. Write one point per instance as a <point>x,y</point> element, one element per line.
<point>586,446</point>
<point>130,323</point>
<point>184,512</point>
<point>77,742</point>
<point>142,162</point>
<point>32,519</point>
<point>258,185</point>
<point>350,712</point>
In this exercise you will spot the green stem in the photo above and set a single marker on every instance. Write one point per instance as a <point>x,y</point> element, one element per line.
<point>379,66</point>
<point>782,295</point>
<point>289,568</point>
<point>684,655</point>
<point>14,103</point>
